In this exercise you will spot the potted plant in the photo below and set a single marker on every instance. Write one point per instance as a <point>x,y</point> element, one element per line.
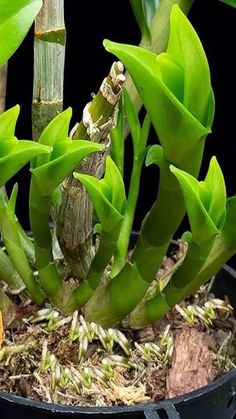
<point>65,292</point>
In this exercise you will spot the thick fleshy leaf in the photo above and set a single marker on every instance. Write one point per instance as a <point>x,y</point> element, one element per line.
<point>108,216</point>
<point>15,154</point>
<point>67,157</point>
<point>178,130</point>
<point>186,48</point>
<point>109,212</point>
<point>155,155</point>
<point>215,183</point>
<point>114,179</point>
<point>172,75</point>
<point>180,120</point>
<point>8,121</point>
<point>55,131</point>
<point>203,226</point>
<point>16,17</point>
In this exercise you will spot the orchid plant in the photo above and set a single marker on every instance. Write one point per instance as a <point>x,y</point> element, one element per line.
<point>175,88</point>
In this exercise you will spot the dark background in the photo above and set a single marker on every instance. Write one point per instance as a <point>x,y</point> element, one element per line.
<point>87,63</point>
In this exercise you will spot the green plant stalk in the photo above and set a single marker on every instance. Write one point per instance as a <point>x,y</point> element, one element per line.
<point>26,242</point>
<point>173,293</point>
<point>159,30</point>
<point>157,231</point>
<point>49,58</point>
<point>18,258</point>
<point>93,278</point>
<point>8,273</point>
<point>223,248</point>
<point>136,275</point>
<point>49,277</point>
<point>123,240</point>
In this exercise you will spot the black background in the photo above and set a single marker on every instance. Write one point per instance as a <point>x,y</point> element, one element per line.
<point>87,63</point>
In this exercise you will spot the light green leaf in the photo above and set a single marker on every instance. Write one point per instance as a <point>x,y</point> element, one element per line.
<point>68,155</point>
<point>16,17</point>
<point>205,201</point>
<point>178,130</point>
<point>216,184</point>
<point>109,211</point>
<point>186,48</point>
<point>8,121</point>
<point>155,155</point>
<point>114,179</point>
<point>15,154</point>
<point>55,131</point>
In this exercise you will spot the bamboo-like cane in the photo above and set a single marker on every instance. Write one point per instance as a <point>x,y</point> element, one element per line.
<point>49,58</point>
<point>74,218</point>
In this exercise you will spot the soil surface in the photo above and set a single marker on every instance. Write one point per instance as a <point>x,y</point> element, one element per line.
<point>67,360</point>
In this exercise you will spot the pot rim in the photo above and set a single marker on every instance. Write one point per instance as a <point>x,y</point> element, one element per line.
<point>58,408</point>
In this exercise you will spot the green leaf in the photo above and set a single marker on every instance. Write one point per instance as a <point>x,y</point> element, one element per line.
<point>140,13</point>
<point>205,201</point>
<point>16,18</point>
<point>216,184</point>
<point>186,48</point>
<point>155,155</point>
<point>229,2</point>
<point>55,131</point>
<point>178,130</point>
<point>67,157</point>
<point>109,211</point>
<point>8,121</point>
<point>15,154</point>
<point>115,181</point>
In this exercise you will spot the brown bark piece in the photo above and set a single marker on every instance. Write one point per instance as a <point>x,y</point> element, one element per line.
<point>192,365</point>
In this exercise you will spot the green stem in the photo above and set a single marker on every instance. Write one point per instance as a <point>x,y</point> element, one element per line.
<point>25,240</point>
<point>136,275</point>
<point>127,223</point>
<point>50,279</point>
<point>174,292</point>
<point>16,253</point>
<point>100,261</point>
<point>8,273</point>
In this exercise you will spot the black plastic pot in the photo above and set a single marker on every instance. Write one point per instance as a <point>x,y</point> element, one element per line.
<point>215,401</point>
